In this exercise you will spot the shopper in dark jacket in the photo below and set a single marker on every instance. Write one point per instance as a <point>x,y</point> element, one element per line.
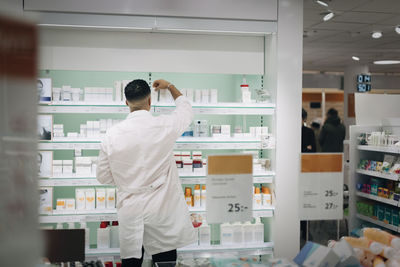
<point>332,133</point>
<point>307,135</point>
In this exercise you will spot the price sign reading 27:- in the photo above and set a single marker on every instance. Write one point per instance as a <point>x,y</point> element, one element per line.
<point>229,188</point>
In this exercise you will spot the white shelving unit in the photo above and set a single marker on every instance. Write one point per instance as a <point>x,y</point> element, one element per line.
<point>368,152</point>
<point>120,108</point>
<point>265,248</point>
<point>74,180</point>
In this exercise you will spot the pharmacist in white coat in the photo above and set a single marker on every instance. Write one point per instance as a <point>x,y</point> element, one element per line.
<point>137,157</point>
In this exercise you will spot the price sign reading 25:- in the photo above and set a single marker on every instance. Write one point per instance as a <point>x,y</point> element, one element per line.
<point>236,207</point>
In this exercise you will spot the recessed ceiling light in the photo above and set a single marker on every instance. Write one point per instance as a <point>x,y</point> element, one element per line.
<point>322,3</point>
<point>386,62</point>
<point>328,16</point>
<point>397,29</point>
<point>376,35</point>
<point>355,58</point>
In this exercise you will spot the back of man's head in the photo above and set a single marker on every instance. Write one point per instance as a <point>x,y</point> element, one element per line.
<point>137,90</point>
<point>332,112</point>
<point>303,114</point>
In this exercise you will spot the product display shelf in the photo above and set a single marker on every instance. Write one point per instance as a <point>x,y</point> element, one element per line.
<point>226,108</point>
<point>181,143</point>
<point>377,222</point>
<point>388,176</point>
<point>73,180</point>
<point>379,199</point>
<point>265,248</point>
<point>385,149</point>
<point>264,212</point>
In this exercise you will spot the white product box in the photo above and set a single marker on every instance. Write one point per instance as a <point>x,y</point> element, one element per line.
<point>70,204</point>
<point>96,129</point>
<point>61,204</point>
<point>226,130</point>
<point>154,96</point>
<point>213,96</point>
<point>205,96</point>
<point>75,94</point>
<point>46,200</point>
<point>187,165</point>
<point>100,198</point>
<point>72,134</point>
<point>246,97</point>
<point>197,96</point>
<point>90,202</point>
<point>264,130</point>
<point>109,94</point>
<point>253,131</point>
<point>67,166</point>
<point>83,166</point>
<point>110,194</point>
<point>66,93</point>
<point>118,91</point>
<point>346,254</point>
<point>313,254</point>
<point>57,167</point>
<point>258,132</point>
<point>56,94</point>
<point>80,198</point>
<point>82,131</point>
<point>185,155</point>
<point>189,94</point>
<point>109,123</point>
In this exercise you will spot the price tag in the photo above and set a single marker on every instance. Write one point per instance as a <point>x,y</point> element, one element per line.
<point>229,188</point>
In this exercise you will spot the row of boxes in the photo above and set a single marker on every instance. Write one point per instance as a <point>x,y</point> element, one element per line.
<point>99,198</point>
<point>379,212</point>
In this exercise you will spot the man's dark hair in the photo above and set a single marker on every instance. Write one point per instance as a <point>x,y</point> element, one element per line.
<point>332,112</point>
<point>303,113</point>
<point>137,90</point>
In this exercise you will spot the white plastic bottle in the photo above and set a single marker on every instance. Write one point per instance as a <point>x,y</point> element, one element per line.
<point>226,234</point>
<point>197,196</point>
<point>258,231</point>
<point>237,233</point>
<point>248,232</point>
<point>204,234</point>
<point>87,234</point>
<point>114,235</point>
<point>203,197</point>
<point>103,236</point>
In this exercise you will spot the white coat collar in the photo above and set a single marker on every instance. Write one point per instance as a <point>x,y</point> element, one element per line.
<point>138,113</point>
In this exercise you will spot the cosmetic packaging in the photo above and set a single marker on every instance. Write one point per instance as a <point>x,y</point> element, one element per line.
<point>110,204</point>
<point>70,204</point>
<point>197,96</point>
<point>204,234</point>
<point>90,202</point>
<point>203,196</point>
<point>56,94</point>
<point>213,96</point>
<point>57,167</point>
<point>258,231</point>
<point>178,159</point>
<point>118,91</point>
<point>197,161</point>
<point>226,130</point>
<point>46,200</point>
<point>59,226</point>
<point>100,198</point>
<point>226,234</point>
<point>190,94</point>
<point>205,96</point>
<point>87,234</point>
<point>103,235</point>
<point>66,93</point>
<point>114,235</point>
<point>80,198</point>
<point>187,166</point>
<point>71,225</point>
<point>188,196</point>
<point>257,198</point>
<point>60,204</point>
<point>237,233</point>
<point>75,94</point>
<point>67,167</point>
<point>266,196</point>
<point>248,232</point>
<point>200,128</point>
<point>197,196</point>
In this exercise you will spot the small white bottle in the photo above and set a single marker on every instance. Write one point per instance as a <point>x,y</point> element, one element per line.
<point>203,196</point>
<point>114,235</point>
<point>226,234</point>
<point>204,234</point>
<point>87,234</point>
<point>237,233</point>
<point>103,236</point>
<point>248,232</point>
<point>197,196</point>
<point>258,231</point>
<point>59,226</point>
<point>257,198</point>
<point>71,225</point>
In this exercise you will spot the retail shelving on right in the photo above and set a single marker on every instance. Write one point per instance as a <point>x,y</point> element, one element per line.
<point>374,176</point>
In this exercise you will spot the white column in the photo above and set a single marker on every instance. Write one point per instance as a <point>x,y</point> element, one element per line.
<point>288,99</point>
<point>350,86</point>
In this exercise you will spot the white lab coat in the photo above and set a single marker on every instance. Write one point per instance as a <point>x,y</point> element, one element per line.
<point>137,156</point>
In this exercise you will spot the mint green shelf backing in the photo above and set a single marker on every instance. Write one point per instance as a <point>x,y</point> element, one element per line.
<point>228,91</point>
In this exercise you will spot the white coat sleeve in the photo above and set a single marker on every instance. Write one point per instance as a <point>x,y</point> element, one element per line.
<point>182,115</point>
<point>104,175</point>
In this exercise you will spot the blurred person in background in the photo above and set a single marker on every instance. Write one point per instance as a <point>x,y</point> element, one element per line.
<point>307,135</point>
<point>332,133</point>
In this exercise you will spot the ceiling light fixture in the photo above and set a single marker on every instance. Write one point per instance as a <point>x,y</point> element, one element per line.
<point>328,15</point>
<point>397,29</point>
<point>322,3</point>
<point>376,34</point>
<point>355,58</point>
<point>386,62</point>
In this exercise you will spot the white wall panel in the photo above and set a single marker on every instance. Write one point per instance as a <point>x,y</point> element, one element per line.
<point>226,9</point>
<point>129,51</point>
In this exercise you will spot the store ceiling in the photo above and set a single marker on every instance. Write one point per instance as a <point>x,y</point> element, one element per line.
<point>329,46</point>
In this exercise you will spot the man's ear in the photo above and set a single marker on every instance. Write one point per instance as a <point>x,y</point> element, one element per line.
<point>126,102</point>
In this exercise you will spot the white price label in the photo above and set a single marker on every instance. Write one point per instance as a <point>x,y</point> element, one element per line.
<point>229,198</point>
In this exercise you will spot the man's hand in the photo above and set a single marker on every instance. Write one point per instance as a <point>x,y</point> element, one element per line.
<point>160,84</point>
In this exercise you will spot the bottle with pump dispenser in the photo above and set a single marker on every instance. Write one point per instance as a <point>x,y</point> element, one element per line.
<point>103,235</point>
<point>87,234</point>
<point>258,231</point>
<point>204,234</point>
<point>226,234</point>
